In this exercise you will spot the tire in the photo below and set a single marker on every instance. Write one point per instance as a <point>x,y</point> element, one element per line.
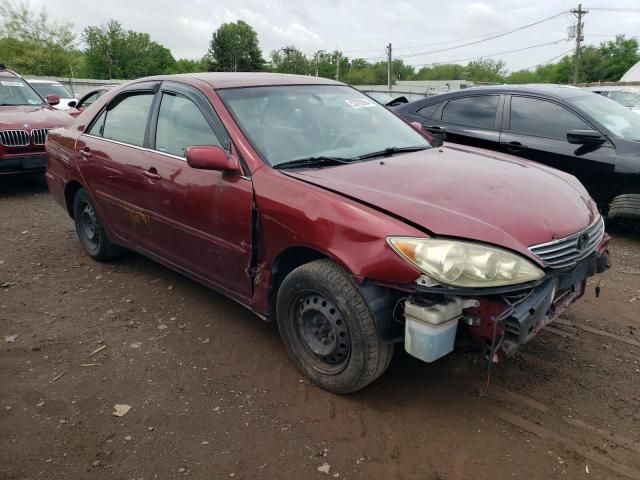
<point>624,210</point>
<point>328,330</point>
<point>91,233</point>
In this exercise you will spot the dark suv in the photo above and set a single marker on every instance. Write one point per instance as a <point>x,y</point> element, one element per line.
<point>568,128</point>
<point>25,119</point>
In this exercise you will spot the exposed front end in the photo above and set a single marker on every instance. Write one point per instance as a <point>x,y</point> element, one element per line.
<point>499,319</point>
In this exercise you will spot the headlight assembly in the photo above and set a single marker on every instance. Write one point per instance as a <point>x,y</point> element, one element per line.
<point>465,264</point>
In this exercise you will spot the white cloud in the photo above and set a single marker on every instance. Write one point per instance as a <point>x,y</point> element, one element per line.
<point>351,25</point>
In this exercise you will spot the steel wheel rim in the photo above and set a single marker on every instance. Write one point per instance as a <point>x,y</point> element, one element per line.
<point>323,332</point>
<point>89,226</point>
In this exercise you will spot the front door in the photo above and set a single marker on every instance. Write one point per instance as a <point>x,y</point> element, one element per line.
<point>201,220</point>
<point>536,129</point>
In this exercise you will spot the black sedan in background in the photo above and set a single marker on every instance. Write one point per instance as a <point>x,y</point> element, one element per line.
<point>568,128</point>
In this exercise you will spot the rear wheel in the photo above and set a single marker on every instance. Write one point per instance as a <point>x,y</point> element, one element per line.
<point>90,230</point>
<point>328,329</point>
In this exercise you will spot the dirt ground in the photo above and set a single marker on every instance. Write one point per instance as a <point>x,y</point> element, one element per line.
<point>214,396</point>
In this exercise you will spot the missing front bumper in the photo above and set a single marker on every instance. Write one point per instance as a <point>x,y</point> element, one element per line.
<point>547,301</point>
<point>517,315</point>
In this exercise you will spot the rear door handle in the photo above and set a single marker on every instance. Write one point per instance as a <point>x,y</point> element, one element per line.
<point>152,173</point>
<point>85,152</point>
<point>515,146</point>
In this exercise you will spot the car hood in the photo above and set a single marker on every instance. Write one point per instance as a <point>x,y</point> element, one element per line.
<point>468,193</point>
<point>35,116</point>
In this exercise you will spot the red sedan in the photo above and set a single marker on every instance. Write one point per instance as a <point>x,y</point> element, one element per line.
<point>314,206</point>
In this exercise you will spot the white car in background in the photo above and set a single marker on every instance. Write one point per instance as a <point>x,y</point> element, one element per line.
<point>626,95</point>
<point>51,87</point>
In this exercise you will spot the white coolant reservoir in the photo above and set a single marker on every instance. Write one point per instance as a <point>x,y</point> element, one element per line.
<point>430,331</point>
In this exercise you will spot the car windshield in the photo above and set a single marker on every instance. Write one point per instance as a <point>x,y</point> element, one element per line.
<point>45,89</point>
<point>619,120</point>
<point>287,123</point>
<point>15,91</point>
<point>626,98</point>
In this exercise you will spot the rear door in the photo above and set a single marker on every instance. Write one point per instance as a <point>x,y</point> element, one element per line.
<point>112,159</point>
<point>201,219</point>
<point>536,129</point>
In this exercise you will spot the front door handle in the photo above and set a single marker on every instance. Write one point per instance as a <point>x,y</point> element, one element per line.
<point>434,129</point>
<point>515,146</point>
<point>152,173</point>
<point>85,152</point>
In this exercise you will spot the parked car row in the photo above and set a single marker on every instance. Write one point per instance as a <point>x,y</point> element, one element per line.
<point>28,110</point>
<point>565,127</point>
<point>318,208</point>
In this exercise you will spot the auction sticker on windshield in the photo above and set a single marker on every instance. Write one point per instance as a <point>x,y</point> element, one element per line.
<point>360,103</point>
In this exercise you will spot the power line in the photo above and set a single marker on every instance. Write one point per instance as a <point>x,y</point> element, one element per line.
<point>483,40</point>
<point>490,36</point>
<point>605,9</point>
<point>550,60</point>
<point>494,54</point>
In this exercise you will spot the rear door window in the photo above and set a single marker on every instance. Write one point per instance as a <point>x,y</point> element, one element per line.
<point>476,111</point>
<point>125,120</point>
<point>541,118</point>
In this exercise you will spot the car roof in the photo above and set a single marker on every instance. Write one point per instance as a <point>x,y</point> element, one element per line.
<point>548,90</point>
<point>219,80</point>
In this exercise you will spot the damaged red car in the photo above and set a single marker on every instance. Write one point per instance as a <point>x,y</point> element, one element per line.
<point>319,209</point>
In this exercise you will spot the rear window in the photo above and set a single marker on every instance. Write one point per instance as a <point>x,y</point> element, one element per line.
<point>477,111</point>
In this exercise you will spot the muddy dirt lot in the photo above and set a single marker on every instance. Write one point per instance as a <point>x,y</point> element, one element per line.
<point>214,396</point>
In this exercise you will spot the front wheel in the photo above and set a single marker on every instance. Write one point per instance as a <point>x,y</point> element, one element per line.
<point>624,210</point>
<point>90,230</point>
<point>328,329</point>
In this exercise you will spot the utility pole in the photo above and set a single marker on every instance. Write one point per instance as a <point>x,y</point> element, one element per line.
<point>338,67</point>
<point>579,12</point>
<point>389,66</point>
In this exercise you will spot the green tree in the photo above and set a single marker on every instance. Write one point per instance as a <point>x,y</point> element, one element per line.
<point>290,60</point>
<point>187,65</point>
<point>113,52</point>
<point>32,44</point>
<point>234,47</point>
<point>621,54</point>
<point>441,72</point>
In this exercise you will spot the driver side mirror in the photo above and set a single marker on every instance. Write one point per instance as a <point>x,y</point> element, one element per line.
<point>585,137</point>
<point>52,100</point>
<point>72,103</point>
<point>210,157</point>
<point>432,139</point>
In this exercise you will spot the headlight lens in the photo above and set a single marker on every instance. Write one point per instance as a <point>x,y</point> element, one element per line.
<point>465,264</point>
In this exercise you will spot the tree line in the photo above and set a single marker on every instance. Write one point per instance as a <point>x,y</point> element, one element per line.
<point>32,44</point>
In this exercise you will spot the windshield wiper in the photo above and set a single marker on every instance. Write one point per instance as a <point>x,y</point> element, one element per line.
<point>387,152</point>
<point>313,162</point>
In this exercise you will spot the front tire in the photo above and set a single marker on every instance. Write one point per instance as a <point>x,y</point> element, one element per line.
<point>624,211</point>
<point>328,330</point>
<point>91,233</point>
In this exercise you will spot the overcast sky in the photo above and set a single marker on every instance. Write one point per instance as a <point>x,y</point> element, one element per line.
<point>360,29</point>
